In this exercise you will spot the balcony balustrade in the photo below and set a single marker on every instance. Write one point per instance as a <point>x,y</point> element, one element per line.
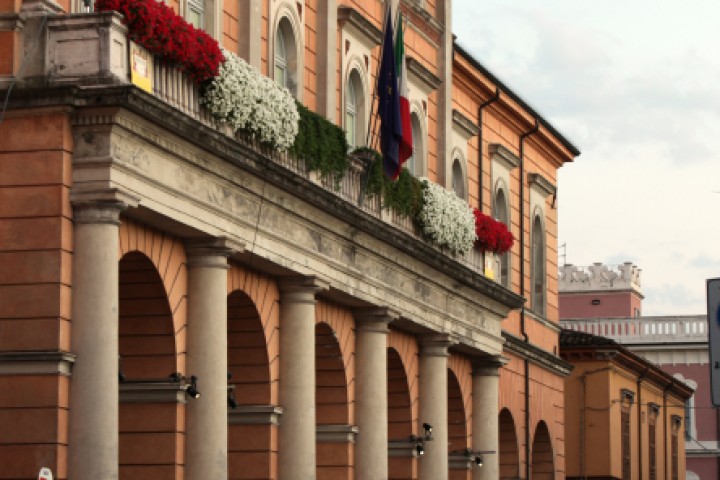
<point>644,330</point>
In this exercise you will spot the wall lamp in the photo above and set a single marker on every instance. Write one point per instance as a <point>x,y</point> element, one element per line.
<point>427,428</point>
<point>231,399</point>
<point>471,456</point>
<point>420,441</point>
<point>190,388</point>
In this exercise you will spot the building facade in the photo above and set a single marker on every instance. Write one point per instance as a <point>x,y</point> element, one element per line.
<point>624,415</point>
<point>676,344</point>
<point>180,302</point>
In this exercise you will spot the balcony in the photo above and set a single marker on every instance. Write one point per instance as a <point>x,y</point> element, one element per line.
<point>645,330</point>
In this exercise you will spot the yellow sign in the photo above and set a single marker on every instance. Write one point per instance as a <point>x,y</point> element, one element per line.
<point>141,67</point>
<point>490,266</point>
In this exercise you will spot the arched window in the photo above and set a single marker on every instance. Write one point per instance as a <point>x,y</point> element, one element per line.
<point>354,111</point>
<point>194,13</point>
<point>415,162</point>
<point>285,71</point>
<point>458,179</point>
<point>501,213</point>
<point>538,266</point>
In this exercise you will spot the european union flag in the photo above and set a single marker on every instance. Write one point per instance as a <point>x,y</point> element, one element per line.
<point>389,105</point>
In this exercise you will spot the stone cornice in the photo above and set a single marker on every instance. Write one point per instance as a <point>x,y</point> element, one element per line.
<point>427,80</point>
<point>36,363</point>
<point>536,355</point>
<point>464,125</point>
<point>502,154</point>
<point>11,22</point>
<point>541,184</point>
<point>349,16</point>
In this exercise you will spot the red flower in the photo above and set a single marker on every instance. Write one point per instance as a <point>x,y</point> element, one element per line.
<point>159,29</point>
<point>493,236</point>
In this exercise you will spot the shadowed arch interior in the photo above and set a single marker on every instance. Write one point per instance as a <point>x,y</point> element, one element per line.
<point>330,384</point>
<point>146,338</point>
<point>247,353</point>
<point>400,422</point>
<point>457,425</point>
<point>509,459</point>
<point>542,467</point>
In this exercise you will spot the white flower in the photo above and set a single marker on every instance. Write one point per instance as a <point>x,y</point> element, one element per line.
<point>245,99</point>
<point>446,219</point>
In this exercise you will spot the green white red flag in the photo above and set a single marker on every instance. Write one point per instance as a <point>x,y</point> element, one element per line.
<point>406,144</point>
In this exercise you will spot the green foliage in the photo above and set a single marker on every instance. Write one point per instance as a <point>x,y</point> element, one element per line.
<point>404,195</point>
<point>321,144</point>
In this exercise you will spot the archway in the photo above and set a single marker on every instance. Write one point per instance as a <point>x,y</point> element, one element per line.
<point>151,405</point>
<point>542,466</point>
<point>457,430</point>
<point>400,422</point>
<point>251,417</point>
<point>508,454</point>
<point>334,451</point>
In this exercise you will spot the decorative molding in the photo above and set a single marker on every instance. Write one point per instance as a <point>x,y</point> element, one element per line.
<point>422,21</point>
<point>540,184</point>
<point>537,355</point>
<point>36,363</point>
<point>361,26</point>
<point>421,76</point>
<point>255,415</point>
<point>599,277</point>
<point>402,449</point>
<point>463,125</point>
<point>149,391</point>
<point>336,433</point>
<point>503,155</point>
<point>11,22</point>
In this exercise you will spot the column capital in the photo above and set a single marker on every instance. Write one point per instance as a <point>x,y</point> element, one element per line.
<point>488,366</point>
<point>211,252</point>
<point>374,319</point>
<point>100,206</point>
<point>302,288</point>
<point>435,345</point>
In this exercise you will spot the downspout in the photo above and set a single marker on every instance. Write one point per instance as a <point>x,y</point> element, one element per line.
<point>482,106</point>
<point>524,334</point>
<point>639,422</point>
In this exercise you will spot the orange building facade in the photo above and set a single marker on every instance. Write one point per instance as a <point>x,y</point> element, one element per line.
<point>149,254</point>
<point>625,416</point>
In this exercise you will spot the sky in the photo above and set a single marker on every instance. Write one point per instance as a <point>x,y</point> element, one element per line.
<point>635,85</point>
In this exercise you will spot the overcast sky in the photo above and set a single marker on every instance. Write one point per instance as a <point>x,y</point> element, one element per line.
<point>635,85</point>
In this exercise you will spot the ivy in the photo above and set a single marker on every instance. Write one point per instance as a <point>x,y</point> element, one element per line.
<point>322,145</point>
<point>404,195</point>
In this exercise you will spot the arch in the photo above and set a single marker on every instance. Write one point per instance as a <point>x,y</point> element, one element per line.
<point>400,417</point>
<point>543,465</point>
<point>458,439</point>
<point>148,426</point>
<point>331,395</point>
<point>458,174</point>
<point>538,267</point>
<point>355,105</point>
<point>508,442</point>
<point>287,45</point>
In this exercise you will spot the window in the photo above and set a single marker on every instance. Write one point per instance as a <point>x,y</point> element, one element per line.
<point>538,266</point>
<point>458,179</point>
<point>500,212</point>
<point>674,448</point>
<point>194,13</point>
<point>281,63</point>
<point>415,162</point>
<point>653,412</point>
<point>625,442</point>
<point>354,111</point>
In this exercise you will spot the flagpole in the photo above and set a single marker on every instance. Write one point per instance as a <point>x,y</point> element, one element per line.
<point>372,121</point>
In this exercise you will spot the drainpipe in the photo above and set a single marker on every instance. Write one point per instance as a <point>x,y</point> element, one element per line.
<point>486,103</point>
<point>639,421</point>
<point>522,292</point>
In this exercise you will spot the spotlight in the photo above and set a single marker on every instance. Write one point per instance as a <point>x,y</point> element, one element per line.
<point>428,431</point>
<point>478,461</point>
<point>192,390</point>
<point>420,449</point>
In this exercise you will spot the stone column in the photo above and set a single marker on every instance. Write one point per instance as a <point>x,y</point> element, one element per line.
<point>433,465</point>
<point>206,437</point>
<point>371,398</point>
<point>485,427</point>
<point>296,458</point>
<point>93,422</point>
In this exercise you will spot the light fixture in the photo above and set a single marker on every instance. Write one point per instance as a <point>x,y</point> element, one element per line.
<point>478,461</point>
<point>192,390</point>
<point>428,431</point>
<point>231,400</point>
<point>420,448</point>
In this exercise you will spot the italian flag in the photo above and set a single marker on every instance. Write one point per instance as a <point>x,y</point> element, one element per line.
<point>406,144</point>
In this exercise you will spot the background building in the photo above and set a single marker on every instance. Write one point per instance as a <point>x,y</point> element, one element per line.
<point>676,344</point>
<point>150,252</point>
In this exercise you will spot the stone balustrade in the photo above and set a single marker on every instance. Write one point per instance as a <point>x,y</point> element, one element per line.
<point>644,330</point>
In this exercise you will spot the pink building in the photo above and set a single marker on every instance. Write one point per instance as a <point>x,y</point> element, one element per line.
<point>605,300</point>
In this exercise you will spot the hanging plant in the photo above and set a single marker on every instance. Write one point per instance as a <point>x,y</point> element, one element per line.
<point>492,235</point>
<point>404,195</point>
<point>321,143</point>
<point>446,220</point>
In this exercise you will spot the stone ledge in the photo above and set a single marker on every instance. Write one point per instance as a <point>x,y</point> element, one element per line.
<point>36,363</point>
<point>151,391</point>
<point>336,433</point>
<point>255,415</point>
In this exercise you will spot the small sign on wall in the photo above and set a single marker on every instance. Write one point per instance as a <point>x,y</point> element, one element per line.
<point>490,266</point>
<point>141,67</point>
<point>45,474</point>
